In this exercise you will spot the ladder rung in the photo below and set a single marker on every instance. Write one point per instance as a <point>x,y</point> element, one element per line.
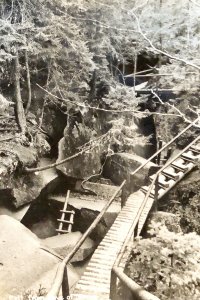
<point>65,221</point>
<point>62,230</point>
<point>68,211</point>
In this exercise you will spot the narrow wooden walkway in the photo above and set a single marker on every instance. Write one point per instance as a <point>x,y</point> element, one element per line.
<point>95,282</point>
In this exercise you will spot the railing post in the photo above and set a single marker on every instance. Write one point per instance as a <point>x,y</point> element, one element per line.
<point>113,285</point>
<point>155,205</point>
<point>167,156</point>
<point>158,158</point>
<point>65,285</point>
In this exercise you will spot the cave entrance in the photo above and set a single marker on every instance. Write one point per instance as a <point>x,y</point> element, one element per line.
<point>135,71</point>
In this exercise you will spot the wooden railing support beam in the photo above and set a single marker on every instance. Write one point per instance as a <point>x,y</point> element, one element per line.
<point>137,291</point>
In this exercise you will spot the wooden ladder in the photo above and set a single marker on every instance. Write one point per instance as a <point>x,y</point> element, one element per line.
<point>63,220</point>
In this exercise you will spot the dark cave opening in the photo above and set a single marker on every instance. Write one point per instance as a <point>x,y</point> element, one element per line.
<point>125,69</point>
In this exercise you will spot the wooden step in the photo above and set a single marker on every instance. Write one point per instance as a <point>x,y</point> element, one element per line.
<point>189,155</point>
<point>180,165</point>
<point>68,211</point>
<point>195,149</point>
<point>93,289</point>
<point>62,231</point>
<point>152,194</point>
<point>65,221</point>
<point>170,172</point>
<point>163,181</point>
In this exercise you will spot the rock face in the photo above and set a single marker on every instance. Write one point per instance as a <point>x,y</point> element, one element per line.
<point>121,165</point>
<point>23,262</point>
<point>183,200</point>
<point>17,214</point>
<point>20,190</point>
<point>17,188</point>
<point>88,163</point>
<point>45,228</point>
<point>168,127</point>
<point>64,243</point>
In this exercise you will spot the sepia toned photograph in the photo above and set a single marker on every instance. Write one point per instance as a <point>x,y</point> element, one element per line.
<point>99,150</point>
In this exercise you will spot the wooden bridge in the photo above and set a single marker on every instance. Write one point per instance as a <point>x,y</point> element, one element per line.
<point>99,279</point>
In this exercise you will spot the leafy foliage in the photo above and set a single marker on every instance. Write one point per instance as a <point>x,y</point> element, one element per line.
<point>168,264</point>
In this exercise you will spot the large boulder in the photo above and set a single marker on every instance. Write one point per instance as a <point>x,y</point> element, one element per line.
<point>14,188</point>
<point>120,166</point>
<point>17,188</point>
<point>23,261</point>
<point>90,161</point>
<point>64,243</point>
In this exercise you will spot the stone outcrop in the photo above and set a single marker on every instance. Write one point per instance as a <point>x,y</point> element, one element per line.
<point>16,187</point>
<point>23,261</point>
<point>120,166</point>
<point>183,200</point>
<point>89,162</point>
<point>64,243</point>
<point>168,127</point>
<point>4,105</point>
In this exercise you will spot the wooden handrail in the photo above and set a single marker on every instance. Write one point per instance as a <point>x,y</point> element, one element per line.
<point>168,164</point>
<point>138,292</point>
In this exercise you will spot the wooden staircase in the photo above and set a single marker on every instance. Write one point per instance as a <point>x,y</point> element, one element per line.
<point>170,175</point>
<point>95,282</point>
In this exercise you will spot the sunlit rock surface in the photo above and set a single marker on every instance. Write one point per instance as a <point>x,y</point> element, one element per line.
<point>23,261</point>
<point>64,243</point>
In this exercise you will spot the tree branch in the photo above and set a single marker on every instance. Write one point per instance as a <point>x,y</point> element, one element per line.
<point>87,146</point>
<point>145,37</point>
<point>106,110</point>
<point>158,50</point>
<point>195,3</point>
<point>174,108</point>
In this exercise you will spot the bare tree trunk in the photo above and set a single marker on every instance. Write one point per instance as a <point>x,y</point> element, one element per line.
<point>20,115</point>
<point>28,83</point>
